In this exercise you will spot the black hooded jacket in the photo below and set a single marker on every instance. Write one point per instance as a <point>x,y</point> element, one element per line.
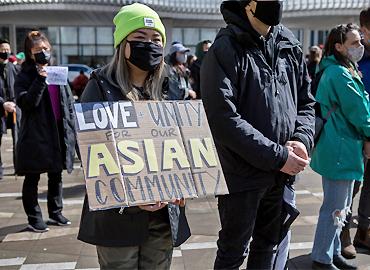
<point>256,93</point>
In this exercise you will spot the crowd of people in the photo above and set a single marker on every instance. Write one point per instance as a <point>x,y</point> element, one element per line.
<point>263,98</point>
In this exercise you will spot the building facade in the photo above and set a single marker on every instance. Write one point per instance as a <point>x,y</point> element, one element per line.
<point>81,31</point>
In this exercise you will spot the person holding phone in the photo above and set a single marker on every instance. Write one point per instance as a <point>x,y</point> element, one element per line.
<point>47,138</point>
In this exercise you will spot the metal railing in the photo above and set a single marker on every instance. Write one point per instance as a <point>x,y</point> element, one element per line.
<point>204,6</point>
<point>306,5</point>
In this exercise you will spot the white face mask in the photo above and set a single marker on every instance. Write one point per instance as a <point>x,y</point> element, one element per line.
<point>181,58</point>
<point>356,54</point>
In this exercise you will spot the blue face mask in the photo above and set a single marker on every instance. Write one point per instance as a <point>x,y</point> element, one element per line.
<point>181,58</point>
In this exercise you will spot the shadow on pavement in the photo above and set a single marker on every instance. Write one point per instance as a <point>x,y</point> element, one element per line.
<point>12,229</point>
<point>363,251</point>
<point>303,262</point>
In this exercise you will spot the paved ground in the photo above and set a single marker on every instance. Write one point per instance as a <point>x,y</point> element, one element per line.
<point>59,249</point>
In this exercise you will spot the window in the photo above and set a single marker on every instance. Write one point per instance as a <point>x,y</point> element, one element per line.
<point>208,34</point>
<point>191,36</point>
<point>87,35</point>
<point>104,35</point>
<point>4,32</point>
<point>53,35</point>
<point>68,35</point>
<point>177,35</point>
<point>87,50</point>
<point>105,50</point>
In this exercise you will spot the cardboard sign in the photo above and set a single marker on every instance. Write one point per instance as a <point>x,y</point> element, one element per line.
<point>143,152</point>
<point>56,75</point>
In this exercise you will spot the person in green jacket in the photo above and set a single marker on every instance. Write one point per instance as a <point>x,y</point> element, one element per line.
<point>338,156</point>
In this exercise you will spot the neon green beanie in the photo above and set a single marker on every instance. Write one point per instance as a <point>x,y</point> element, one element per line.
<point>133,17</point>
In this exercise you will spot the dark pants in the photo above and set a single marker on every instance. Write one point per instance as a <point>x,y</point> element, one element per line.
<point>364,204</point>
<point>154,253</point>
<point>247,214</point>
<point>9,125</point>
<point>30,194</point>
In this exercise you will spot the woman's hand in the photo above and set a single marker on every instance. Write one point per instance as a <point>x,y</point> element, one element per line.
<point>192,94</point>
<point>41,70</point>
<point>367,149</point>
<point>159,205</point>
<point>179,202</point>
<point>153,207</point>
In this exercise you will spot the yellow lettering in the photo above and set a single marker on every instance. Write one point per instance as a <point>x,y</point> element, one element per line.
<point>99,155</point>
<point>199,150</point>
<point>151,155</point>
<point>137,162</point>
<point>173,151</point>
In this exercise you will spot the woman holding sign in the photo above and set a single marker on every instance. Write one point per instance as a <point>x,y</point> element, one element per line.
<point>46,142</point>
<point>136,237</point>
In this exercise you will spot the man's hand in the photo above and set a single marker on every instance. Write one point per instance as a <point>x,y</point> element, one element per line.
<point>295,164</point>
<point>153,207</point>
<point>299,149</point>
<point>9,106</point>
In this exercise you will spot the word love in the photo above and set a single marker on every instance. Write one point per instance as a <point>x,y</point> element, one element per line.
<point>120,115</point>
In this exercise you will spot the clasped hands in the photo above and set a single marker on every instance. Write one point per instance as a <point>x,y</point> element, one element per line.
<point>298,158</point>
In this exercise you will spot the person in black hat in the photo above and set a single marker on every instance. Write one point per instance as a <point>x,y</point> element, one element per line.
<point>256,92</point>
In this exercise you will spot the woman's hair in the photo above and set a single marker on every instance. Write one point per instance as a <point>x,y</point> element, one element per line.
<point>173,60</point>
<point>315,54</point>
<point>190,60</point>
<point>365,18</point>
<point>32,38</point>
<point>339,35</point>
<point>118,74</point>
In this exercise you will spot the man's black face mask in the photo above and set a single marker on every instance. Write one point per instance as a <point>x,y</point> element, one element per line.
<point>269,12</point>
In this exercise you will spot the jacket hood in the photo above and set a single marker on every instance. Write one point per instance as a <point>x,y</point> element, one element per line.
<point>328,61</point>
<point>234,16</point>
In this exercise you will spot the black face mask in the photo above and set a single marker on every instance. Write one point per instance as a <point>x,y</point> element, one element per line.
<point>269,12</point>
<point>145,55</point>
<point>4,55</point>
<point>42,58</point>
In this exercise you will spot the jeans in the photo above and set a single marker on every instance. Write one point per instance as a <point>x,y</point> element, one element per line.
<point>257,214</point>
<point>154,253</point>
<point>30,194</point>
<point>335,207</point>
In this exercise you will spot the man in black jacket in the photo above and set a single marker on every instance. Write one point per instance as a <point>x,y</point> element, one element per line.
<point>256,92</point>
<point>8,73</point>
